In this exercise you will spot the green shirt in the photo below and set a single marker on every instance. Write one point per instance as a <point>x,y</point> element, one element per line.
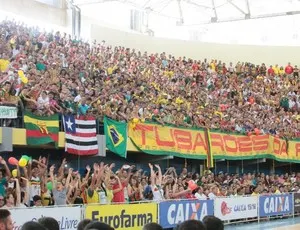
<point>2,188</point>
<point>40,66</point>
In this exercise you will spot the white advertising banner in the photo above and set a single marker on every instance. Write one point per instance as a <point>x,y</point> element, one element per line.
<point>67,217</point>
<point>232,208</point>
<point>7,112</point>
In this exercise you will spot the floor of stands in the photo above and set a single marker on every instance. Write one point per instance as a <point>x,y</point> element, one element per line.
<point>281,224</point>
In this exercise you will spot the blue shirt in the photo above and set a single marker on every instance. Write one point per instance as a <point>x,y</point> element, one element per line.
<point>82,109</point>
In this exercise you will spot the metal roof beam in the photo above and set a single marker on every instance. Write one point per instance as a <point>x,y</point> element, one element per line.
<point>248,7</point>
<point>180,11</point>
<point>235,6</point>
<point>215,18</point>
<point>197,5</point>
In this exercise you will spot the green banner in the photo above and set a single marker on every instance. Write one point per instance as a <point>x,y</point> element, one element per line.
<point>116,136</point>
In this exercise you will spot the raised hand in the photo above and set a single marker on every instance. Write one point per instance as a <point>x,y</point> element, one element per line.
<point>44,160</point>
<point>157,166</point>
<point>132,167</point>
<point>150,166</point>
<point>88,168</point>
<point>52,168</point>
<point>64,161</point>
<point>95,166</point>
<point>112,165</point>
<point>2,161</point>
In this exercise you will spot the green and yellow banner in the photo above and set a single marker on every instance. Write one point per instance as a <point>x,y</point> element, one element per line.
<point>168,140</point>
<point>239,147</point>
<point>197,143</point>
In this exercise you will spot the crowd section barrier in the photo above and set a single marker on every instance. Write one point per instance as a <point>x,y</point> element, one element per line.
<point>167,213</point>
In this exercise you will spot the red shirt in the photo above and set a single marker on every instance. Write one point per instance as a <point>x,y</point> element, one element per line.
<point>271,71</point>
<point>190,196</point>
<point>289,69</point>
<point>119,196</point>
<point>195,67</point>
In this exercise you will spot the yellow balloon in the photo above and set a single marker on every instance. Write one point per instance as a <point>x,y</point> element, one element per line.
<point>24,79</point>
<point>21,73</point>
<point>22,162</point>
<point>135,120</point>
<point>14,173</point>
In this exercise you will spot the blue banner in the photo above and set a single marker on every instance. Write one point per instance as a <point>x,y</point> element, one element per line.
<point>274,205</point>
<point>172,213</point>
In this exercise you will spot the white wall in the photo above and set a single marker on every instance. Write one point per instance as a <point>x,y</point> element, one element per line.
<point>39,12</point>
<point>199,50</point>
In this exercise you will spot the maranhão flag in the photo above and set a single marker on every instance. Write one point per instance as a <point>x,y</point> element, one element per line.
<point>41,130</point>
<point>80,135</point>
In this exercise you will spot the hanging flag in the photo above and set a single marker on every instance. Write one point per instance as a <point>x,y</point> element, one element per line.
<point>81,135</point>
<point>116,136</point>
<point>41,130</point>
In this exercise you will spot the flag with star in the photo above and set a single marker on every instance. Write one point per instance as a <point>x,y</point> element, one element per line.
<point>80,135</point>
<point>41,130</point>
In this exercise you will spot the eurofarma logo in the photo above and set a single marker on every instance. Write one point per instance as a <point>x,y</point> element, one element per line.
<point>123,221</point>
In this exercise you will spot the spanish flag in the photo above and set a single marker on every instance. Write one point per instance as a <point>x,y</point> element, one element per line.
<point>41,130</point>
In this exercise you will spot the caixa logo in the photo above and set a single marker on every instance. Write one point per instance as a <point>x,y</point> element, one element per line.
<point>178,213</point>
<point>275,204</point>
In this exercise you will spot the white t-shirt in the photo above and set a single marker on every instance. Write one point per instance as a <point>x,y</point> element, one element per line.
<point>35,187</point>
<point>42,102</point>
<point>102,197</point>
<point>200,196</point>
<point>211,196</point>
<point>158,193</point>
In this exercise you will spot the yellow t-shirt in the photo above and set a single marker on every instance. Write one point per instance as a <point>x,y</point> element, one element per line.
<point>276,70</point>
<point>94,199</point>
<point>281,71</point>
<point>46,198</point>
<point>179,101</point>
<point>4,65</point>
<point>213,66</point>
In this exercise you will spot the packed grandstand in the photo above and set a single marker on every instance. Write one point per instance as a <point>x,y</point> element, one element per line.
<point>70,76</point>
<point>51,73</point>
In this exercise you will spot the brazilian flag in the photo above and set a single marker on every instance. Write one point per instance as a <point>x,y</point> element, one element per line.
<point>116,136</point>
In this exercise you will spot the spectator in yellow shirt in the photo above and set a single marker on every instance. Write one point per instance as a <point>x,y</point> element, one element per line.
<point>4,63</point>
<point>276,69</point>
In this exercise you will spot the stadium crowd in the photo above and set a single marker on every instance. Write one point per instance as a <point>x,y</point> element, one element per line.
<point>49,73</point>
<point>38,184</point>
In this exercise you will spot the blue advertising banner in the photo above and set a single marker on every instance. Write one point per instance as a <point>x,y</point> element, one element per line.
<point>274,205</point>
<point>172,213</point>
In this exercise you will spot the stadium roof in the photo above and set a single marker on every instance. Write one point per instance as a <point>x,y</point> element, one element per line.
<point>197,12</point>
